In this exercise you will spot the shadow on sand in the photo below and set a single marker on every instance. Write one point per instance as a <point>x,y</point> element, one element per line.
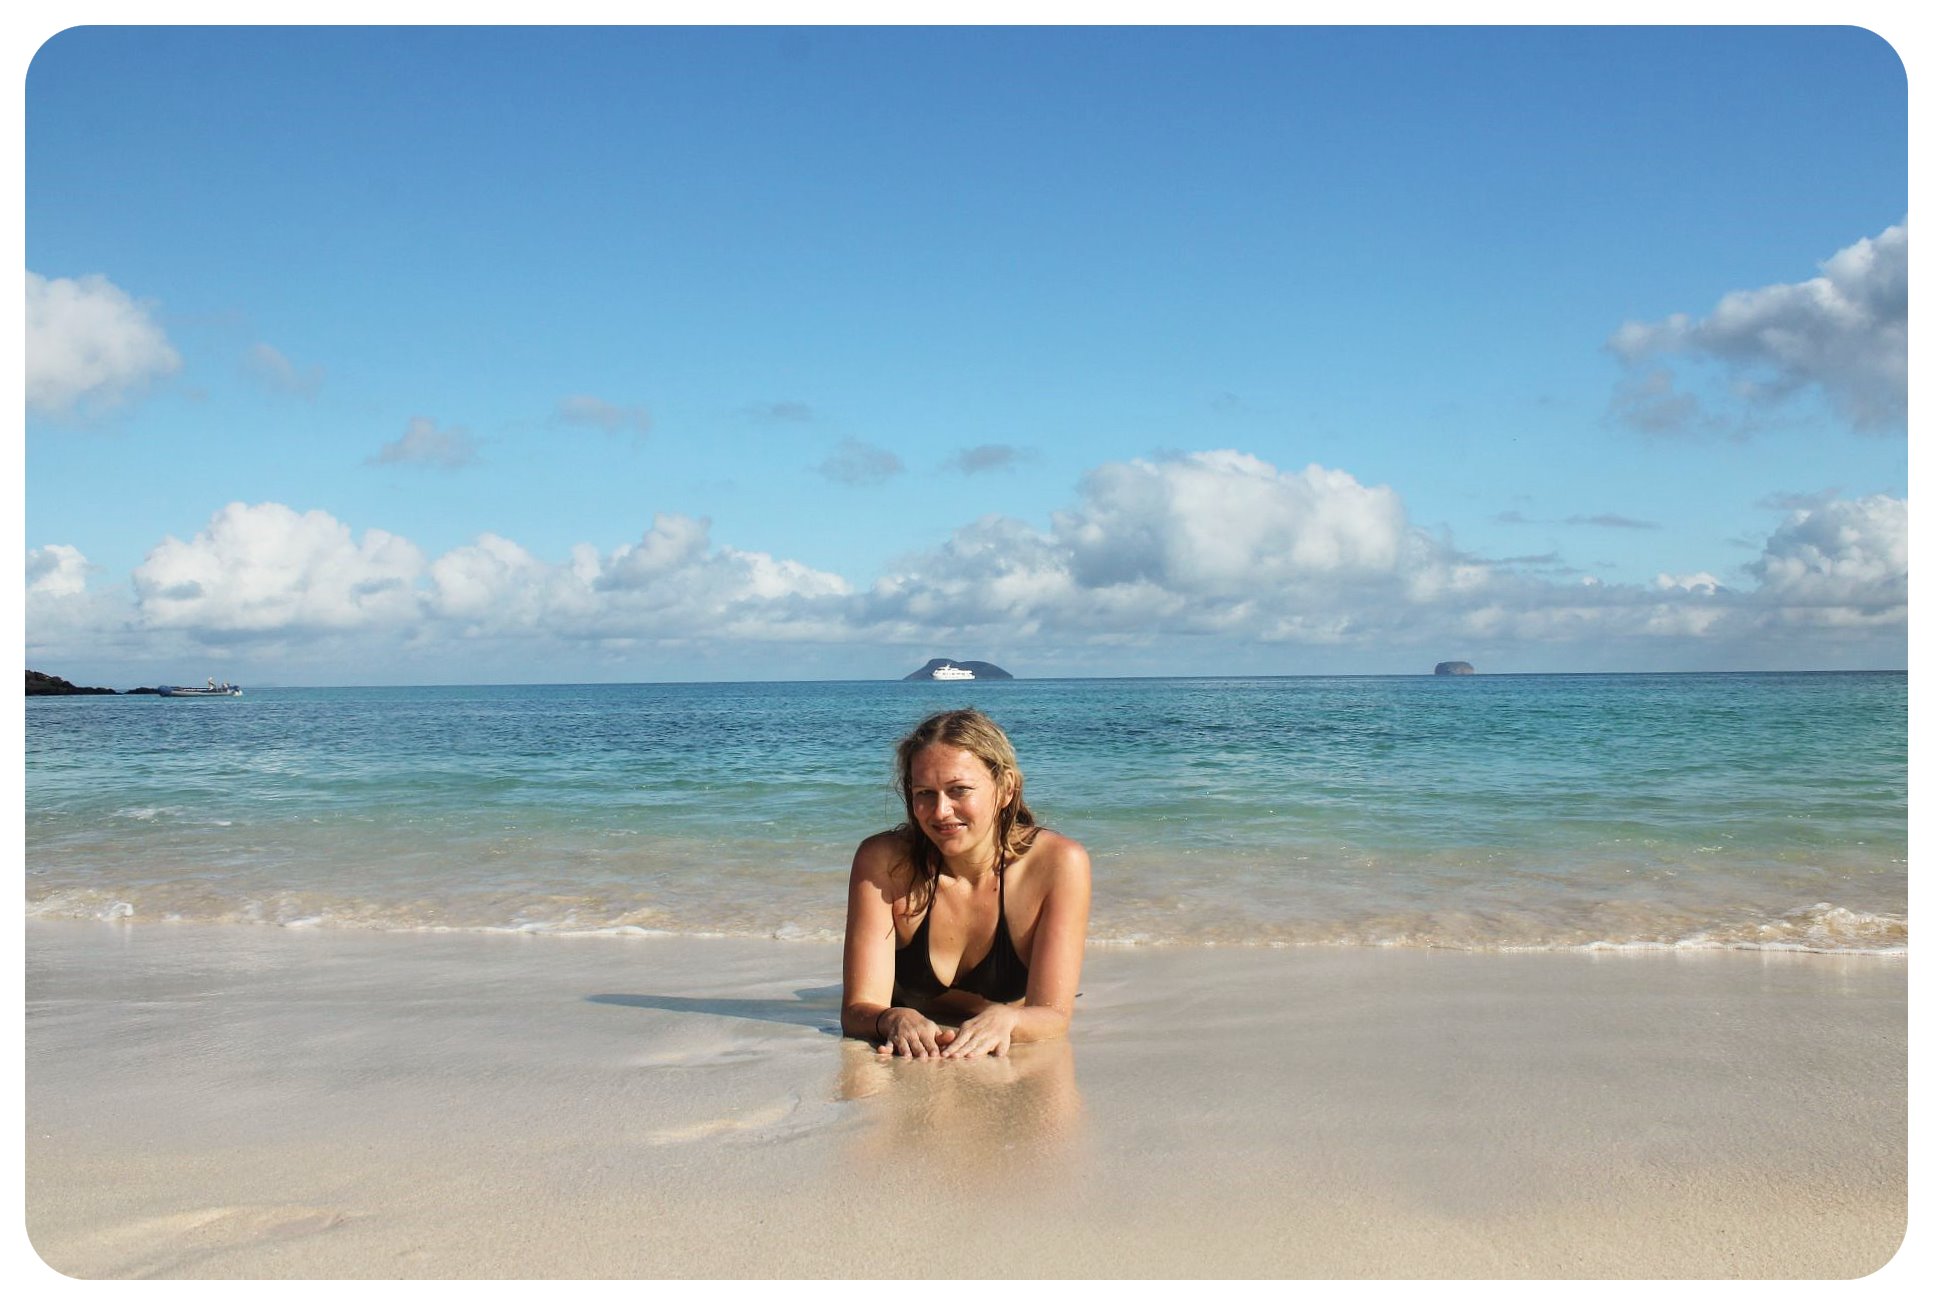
<point>815,1008</point>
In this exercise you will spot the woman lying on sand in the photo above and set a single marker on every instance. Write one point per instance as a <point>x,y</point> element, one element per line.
<point>969,888</point>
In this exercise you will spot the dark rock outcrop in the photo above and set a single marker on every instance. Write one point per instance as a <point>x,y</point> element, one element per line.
<point>52,686</point>
<point>1455,668</point>
<point>981,670</point>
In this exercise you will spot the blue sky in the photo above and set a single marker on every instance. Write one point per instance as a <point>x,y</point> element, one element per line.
<point>434,355</point>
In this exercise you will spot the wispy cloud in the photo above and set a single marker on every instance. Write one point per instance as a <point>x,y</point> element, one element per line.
<point>781,410</point>
<point>986,457</point>
<point>428,445</point>
<point>272,368</point>
<point>1789,502</point>
<point>1611,521</point>
<point>1842,333</point>
<point>90,346</point>
<point>856,462</point>
<point>1607,520</point>
<point>589,410</point>
<point>1229,404</point>
<point>1648,399</point>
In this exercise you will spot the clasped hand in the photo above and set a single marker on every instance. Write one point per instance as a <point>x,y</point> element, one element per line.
<point>909,1033</point>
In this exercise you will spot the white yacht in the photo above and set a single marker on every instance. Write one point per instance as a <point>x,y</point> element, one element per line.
<point>950,672</point>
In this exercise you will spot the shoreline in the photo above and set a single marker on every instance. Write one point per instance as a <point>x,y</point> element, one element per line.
<point>1822,929</point>
<point>205,1101</point>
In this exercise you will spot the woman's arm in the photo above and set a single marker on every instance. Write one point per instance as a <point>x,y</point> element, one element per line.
<point>1053,972</point>
<point>871,943</point>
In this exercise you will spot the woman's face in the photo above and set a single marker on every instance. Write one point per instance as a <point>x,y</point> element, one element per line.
<point>956,800</point>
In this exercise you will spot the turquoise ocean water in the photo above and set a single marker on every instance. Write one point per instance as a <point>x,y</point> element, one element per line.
<point>1551,811</point>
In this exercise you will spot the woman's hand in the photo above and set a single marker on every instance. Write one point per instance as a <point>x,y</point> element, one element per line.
<point>989,1033</point>
<point>909,1033</point>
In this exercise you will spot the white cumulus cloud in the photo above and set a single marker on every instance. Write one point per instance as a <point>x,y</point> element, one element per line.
<point>1211,556</point>
<point>1224,544</point>
<point>89,345</point>
<point>268,569</point>
<point>672,584</point>
<point>1214,542</point>
<point>1698,582</point>
<point>67,621</point>
<point>1227,522</point>
<point>57,570</point>
<point>1844,563</point>
<point>673,544</point>
<point>494,581</point>
<point>1843,332</point>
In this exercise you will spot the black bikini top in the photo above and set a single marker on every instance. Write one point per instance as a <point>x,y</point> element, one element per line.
<point>1000,976</point>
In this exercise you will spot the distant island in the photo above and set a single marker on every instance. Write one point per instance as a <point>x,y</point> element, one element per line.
<point>1455,668</point>
<point>980,671</point>
<point>40,685</point>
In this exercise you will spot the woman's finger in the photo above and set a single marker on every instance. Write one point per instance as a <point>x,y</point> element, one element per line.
<point>929,1040</point>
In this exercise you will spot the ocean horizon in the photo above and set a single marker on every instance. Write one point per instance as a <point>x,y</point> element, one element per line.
<point>1499,811</point>
<point>251,684</point>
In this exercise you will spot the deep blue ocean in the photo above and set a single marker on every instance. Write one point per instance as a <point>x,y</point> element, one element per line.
<point>1691,810</point>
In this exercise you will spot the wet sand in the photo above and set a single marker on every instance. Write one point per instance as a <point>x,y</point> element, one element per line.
<point>232,1101</point>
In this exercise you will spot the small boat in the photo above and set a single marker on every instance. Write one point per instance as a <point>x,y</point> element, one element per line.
<point>950,672</point>
<point>213,690</point>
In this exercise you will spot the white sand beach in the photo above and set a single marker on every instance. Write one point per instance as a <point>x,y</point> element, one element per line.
<point>227,1101</point>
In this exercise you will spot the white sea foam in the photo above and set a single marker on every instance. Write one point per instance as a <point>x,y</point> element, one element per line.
<point>1820,927</point>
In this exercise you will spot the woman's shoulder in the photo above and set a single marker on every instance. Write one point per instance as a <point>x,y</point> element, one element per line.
<point>884,853</point>
<point>1057,854</point>
<point>894,840</point>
